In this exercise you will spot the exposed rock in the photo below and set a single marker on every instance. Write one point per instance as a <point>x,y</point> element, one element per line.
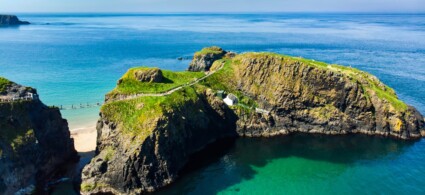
<point>129,164</point>
<point>10,90</point>
<point>149,75</point>
<point>143,143</point>
<point>204,59</point>
<point>320,99</point>
<point>10,20</point>
<point>35,142</point>
<point>230,54</point>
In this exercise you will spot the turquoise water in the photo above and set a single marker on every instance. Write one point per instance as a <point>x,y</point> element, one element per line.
<point>307,164</point>
<point>77,58</point>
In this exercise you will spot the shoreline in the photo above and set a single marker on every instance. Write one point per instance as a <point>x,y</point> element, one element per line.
<point>84,138</point>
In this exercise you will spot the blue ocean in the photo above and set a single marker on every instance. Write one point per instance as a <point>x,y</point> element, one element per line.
<point>75,59</point>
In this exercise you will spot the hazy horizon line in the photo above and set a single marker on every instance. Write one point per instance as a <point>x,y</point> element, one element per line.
<point>224,12</point>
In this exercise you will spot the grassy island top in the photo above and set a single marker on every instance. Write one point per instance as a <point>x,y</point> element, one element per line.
<point>130,85</point>
<point>209,50</point>
<point>222,79</point>
<point>138,114</point>
<point>3,84</point>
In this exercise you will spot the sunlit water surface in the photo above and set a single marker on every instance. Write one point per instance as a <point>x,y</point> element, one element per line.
<point>75,59</point>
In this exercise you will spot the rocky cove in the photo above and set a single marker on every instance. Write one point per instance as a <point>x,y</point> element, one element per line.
<point>145,141</point>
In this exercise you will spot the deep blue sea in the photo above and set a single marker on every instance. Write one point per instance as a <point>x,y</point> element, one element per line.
<point>75,59</point>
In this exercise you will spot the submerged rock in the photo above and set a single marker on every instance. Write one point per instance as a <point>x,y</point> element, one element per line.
<point>35,143</point>
<point>10,20</point>
<point>144,142</point>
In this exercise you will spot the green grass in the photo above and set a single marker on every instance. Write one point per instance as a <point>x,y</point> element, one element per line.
<point>139,116</point>
<point>220,80</point>
<point>223,80</point>
<point>11,134</point>
<point>86,187</point>
<point>22,140</point>
<point>209,50</point>
<point>130,85</point>
<point>4,83</point>
<point>110,152</point>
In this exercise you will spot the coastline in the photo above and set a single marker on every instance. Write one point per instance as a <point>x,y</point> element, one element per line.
<point>82,127</point>
<point>84,137</point>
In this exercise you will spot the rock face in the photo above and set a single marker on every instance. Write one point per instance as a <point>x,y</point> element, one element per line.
<point>127,163</point>
<point>319,98</point>
<point>204,59</point>
<point>143,143</point>
<point>149,75</point>
<point>9,20</point>
<point>35,141</point>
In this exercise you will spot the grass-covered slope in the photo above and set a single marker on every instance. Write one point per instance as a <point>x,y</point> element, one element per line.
<point>130,85</point>
<point>138,116</point>
<point>209,50</point>
<point>225,78</point>
<point>9,133</point>
<point>4,83</point>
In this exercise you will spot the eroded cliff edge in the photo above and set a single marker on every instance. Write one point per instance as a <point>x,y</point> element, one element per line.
<point>148,130</point>
<point>35,143</point>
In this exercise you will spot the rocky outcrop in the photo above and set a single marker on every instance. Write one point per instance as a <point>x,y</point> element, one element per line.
<point>204,59</point>
<point>127,163</point>
<point>149,75</point>
<point>144,142</point>
<point>10,20</point>
<point>35,143</point>
<point>329,99</point>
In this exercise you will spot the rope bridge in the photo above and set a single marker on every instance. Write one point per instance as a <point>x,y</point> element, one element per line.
<point>78,106</point>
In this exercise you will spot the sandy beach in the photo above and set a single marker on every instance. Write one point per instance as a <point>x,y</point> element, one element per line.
<point>84,138</point>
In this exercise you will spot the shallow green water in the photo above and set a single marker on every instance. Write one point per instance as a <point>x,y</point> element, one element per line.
<point>305,164</point>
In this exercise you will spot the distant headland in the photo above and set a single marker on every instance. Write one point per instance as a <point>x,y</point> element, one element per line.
<point>11,20</point>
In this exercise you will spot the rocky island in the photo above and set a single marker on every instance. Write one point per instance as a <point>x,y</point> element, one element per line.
<point>154,120</point>
<point>35,143</point>
<point>10,20</point>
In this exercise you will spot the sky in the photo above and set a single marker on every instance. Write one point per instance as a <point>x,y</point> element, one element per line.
<point>16,6</point>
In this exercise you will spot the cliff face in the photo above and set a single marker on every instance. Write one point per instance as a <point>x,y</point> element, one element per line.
<point>314,97</point>
<point>133,161</point>
<point>203,60</point>
<point>34,141</point>
<point>7,20</point>
<point>144,141</point>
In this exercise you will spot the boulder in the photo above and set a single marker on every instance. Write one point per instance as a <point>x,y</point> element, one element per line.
<point>149,75</point>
